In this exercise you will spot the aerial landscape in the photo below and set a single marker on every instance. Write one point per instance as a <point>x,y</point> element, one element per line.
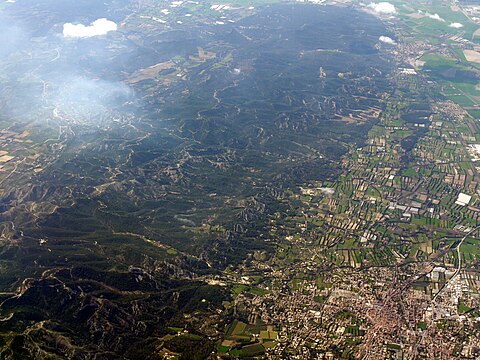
<point>243,179</point>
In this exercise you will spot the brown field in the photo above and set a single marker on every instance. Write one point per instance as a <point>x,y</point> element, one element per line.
<point>5,158</point>
<point>203,55</point>
<point>150,72</point>
<point>472,55</point>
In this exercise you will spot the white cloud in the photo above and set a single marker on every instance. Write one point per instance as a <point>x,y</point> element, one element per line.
<point>431,16</point>
<point>327,191</point>
<point>434,16</point>
<point>387,40</point>
<point>383,8</point>
<point>456,25</point>
<point>96,28</point>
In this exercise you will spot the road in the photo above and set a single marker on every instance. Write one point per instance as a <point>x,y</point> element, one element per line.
<point>457,271</point>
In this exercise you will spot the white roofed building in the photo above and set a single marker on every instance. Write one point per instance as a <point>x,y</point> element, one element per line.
<point>463,199</point>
